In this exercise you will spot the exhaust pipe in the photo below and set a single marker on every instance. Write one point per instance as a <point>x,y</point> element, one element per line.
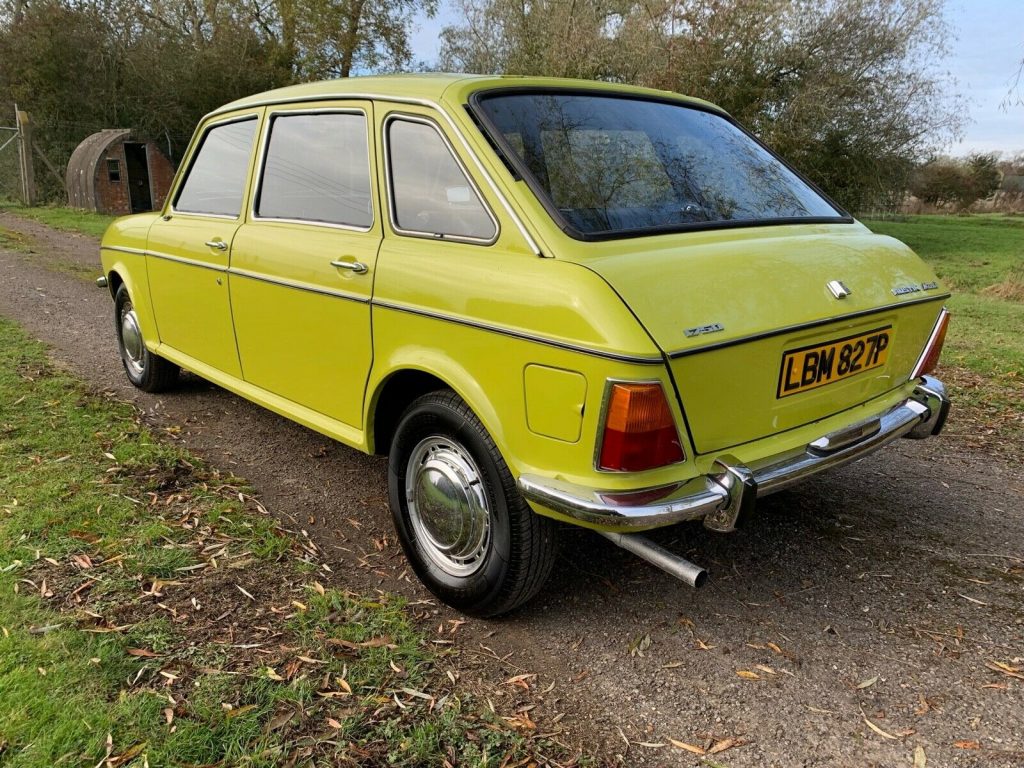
<point>657,555</point>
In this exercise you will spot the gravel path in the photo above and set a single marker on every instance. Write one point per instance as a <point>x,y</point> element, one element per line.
<point>871,617</point>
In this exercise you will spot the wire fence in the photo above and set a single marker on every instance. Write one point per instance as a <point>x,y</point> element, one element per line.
<point>53,142</point>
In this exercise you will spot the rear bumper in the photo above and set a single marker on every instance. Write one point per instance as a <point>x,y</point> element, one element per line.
<point>729,491</point>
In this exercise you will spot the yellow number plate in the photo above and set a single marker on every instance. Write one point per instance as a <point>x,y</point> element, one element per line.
<point>821,364</point>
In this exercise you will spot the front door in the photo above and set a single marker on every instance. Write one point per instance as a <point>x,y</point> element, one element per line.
<point>189,247</point>
<point>302,266</point>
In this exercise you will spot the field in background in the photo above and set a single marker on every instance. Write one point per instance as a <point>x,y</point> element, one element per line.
<point>981,260</point>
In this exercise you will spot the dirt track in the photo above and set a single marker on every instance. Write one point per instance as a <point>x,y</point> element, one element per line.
<point>888,592</point>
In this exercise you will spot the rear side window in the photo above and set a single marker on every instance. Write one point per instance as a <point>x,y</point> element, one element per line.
<point>317,169</point>
<point>430,193</point>
<point>216,180</point>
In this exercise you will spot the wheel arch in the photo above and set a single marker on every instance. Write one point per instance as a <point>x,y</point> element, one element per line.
<point>130,272</point>
<point>403,383</point>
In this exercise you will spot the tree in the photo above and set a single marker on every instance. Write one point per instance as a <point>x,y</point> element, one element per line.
<point>960,183</point>
<point>846,89</point>
<point>157,66</point>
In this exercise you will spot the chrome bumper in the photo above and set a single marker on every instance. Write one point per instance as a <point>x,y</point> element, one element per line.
<point>731,489</point>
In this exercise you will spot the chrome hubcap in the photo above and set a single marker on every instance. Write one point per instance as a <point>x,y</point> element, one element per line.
<point>448,508</point>
<point>132,347</point>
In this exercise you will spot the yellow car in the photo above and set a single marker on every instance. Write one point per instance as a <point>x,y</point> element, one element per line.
<point>547,301</point>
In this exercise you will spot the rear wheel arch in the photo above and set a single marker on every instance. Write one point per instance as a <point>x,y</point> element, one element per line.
<point>403,386</point>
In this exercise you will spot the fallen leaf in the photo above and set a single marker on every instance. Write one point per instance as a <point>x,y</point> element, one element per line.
<point>272,674</point>
<point>725,744</point>
<point>142,652</point>
<point>672,665</point>
<point>1005,669</point>
<point>878,730</point>
<point>966,744</point>
<point>747,674</point>
<point>920,761</point>
<point>688,747</point>
<point>639,645</point>
<point>867,683</point>
<point>239,711</point>
<point>971,599</point>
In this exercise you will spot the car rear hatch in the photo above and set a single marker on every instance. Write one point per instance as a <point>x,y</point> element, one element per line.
<point>758,342</point>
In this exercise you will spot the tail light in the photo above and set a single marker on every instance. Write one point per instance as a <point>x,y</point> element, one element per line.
<point>639,431</point>
<point>930,356</point>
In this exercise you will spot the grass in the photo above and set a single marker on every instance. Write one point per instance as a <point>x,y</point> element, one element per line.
<point>981,258</point>
<point>67,219</point>
<point>152,613</point>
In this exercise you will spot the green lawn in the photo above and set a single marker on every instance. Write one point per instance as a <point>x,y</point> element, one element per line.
<point>981,258</point>
<point>151,613</point>
<point>68,219</point>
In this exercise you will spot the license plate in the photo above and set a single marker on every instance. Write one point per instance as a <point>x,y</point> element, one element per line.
<point>820,364</point>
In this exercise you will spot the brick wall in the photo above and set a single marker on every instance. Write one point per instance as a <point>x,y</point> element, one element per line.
<point>113,197</point>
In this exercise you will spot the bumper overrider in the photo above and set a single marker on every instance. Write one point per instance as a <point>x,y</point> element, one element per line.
<point>730,491</point>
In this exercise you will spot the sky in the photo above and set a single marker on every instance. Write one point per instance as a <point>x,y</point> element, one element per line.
<point>984,59</point>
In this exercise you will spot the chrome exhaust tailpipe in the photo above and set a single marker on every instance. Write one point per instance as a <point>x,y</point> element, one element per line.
<point>657,555</point>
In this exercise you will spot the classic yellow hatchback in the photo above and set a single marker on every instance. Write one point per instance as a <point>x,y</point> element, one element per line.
<point>544,300</point>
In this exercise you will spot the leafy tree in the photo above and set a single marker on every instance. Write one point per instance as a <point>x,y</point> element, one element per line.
<point>957,182</point>
<point>846,89</point>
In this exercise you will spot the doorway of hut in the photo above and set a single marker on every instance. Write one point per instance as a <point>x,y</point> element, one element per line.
<point>138,177</point>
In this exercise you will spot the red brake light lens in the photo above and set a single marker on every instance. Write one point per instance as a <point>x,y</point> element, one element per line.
<point>930,356</point>
<point>639,431</point>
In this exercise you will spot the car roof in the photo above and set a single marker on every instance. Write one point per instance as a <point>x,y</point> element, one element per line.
<point>434,87</point>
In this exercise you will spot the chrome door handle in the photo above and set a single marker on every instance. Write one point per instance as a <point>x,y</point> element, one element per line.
<point>220,245</point>
<point>354,266</point>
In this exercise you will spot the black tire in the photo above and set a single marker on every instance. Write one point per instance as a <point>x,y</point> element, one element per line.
<point>507,564</point>
<point>145,370</point>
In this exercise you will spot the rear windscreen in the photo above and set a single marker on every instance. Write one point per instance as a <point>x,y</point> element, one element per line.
<point>610,165</point>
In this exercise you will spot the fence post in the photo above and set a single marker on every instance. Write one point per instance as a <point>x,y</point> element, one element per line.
<point>28,177</point>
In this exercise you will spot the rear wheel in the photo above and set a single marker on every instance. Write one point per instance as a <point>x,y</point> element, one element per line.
<point>145,370</point>
<point>468,533</point>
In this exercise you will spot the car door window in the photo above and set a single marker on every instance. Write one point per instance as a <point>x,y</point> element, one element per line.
<point>215,182</point>
<point>431,195</point>
<point>317,169</point>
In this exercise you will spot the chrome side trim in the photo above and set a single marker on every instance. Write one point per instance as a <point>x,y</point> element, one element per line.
<point>730,490</point>
<point>285,283</point>
<point>430,104</point>
<point>183,260</point>
<point>637,359</point>
<point>802,326</point>
<point>123,249</point>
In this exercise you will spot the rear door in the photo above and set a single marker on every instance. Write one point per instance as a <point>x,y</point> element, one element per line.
<point>188,248</point>
<point>302,266</point>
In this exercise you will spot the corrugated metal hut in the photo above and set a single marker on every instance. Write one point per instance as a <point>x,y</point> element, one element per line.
<point>110,172</point>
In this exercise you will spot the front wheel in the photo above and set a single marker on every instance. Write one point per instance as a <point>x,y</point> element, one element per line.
<point>466,530</point>
<point>145,370</point>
